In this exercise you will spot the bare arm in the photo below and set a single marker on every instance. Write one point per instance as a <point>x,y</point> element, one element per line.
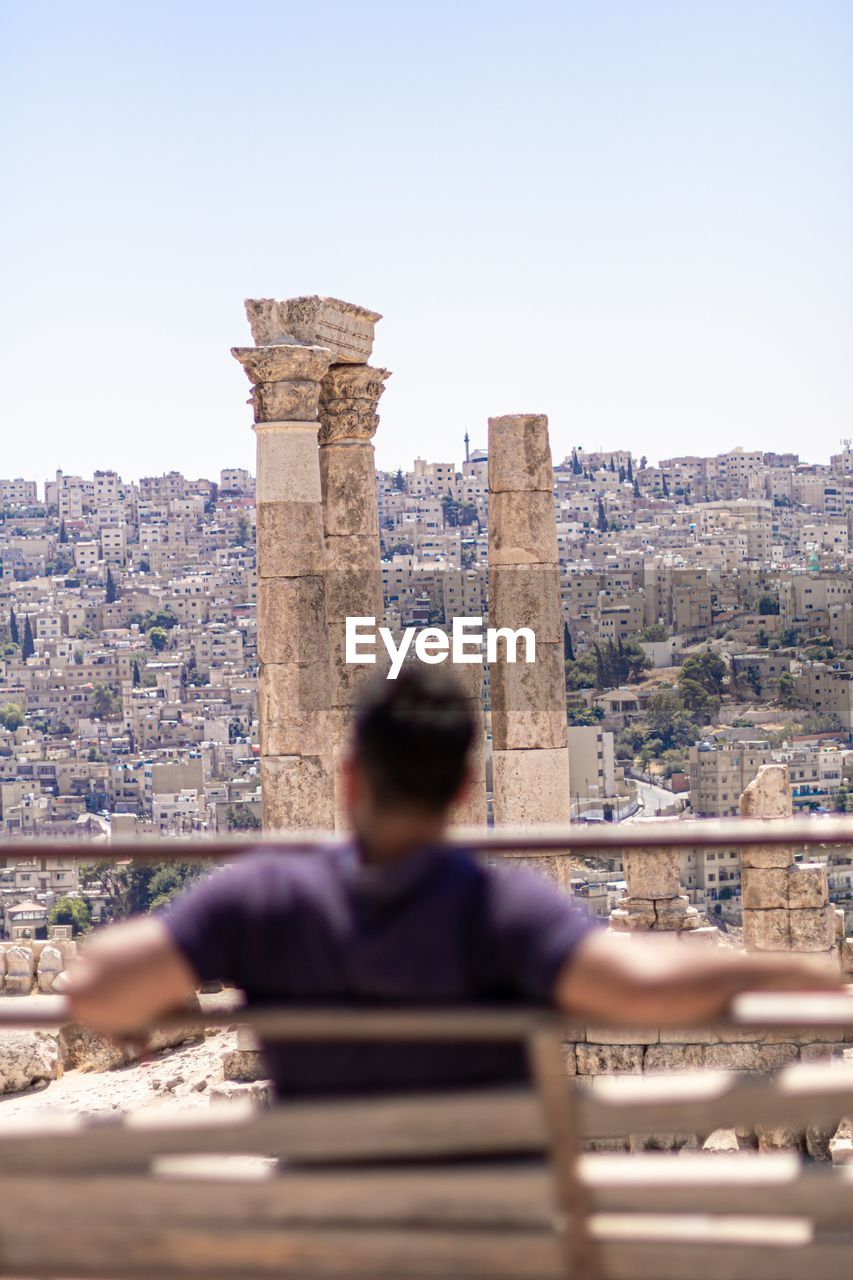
<point>127,976</point>
<point>659,983</point>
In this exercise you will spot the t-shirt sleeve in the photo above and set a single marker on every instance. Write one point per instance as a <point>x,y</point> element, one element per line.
<point>217,923</point>
<point>534,928</point>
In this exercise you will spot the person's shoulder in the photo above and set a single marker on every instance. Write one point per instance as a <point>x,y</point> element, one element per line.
<point>274,871</point>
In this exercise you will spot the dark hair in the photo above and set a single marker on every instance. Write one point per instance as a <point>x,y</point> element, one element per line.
<point>412,738</point>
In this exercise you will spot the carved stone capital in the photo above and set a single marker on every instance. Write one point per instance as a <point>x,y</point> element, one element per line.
<point>342,326</point>
<point>349,395</point>
<point>283,363</point>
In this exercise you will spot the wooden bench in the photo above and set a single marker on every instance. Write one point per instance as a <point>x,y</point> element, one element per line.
<point>490,1184</point>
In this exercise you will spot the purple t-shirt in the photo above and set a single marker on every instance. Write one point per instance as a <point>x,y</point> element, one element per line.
<point>438,928</point>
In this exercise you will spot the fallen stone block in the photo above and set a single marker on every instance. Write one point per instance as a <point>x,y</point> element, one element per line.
<point>27,1058</point>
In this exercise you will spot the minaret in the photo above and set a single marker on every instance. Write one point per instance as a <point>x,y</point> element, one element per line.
<point>467,442</point>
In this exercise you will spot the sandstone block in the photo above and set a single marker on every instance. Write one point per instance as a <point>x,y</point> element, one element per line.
<point>768,795</point>
<point>766,930</point>
<point>348,679</point>
<point>620,1035</point>
<point>297,792</point>
<point>27,1057</point>
<point>49,967</point>
<point>283,362</point>
<point>673,1057</point>
<point>765,889</point>
<point>519,453</point>
<point>808,887</point>
<point>812,929</point>
<point>295,717</point>
<point>820,1052</point>
<point>766,858</point>
<point>352,592</point>
<point>690,1035</point>
<point>471,809</point>
<point>531,786</point>
<point>20,971</point>
<point>348,485</point>
<point>292,620</point>
<point>342,327</point>
<point>652,873</point>
<point>527,596</point>
<point>286,401</point>
<point>779,1138</point>
<point>772,1057</point>
<point>601,1060</point>
<point>733,1057</point>
<point>85,1050</point>
<point>675,914</point>
<point>722,1142</point>
<point>244,1065</point>
<point>288,462</point>
<point>556,869</point>
<point>570,1059</point>
<point>522,529</point>
<point>624,921</point>
<point>817,1140</point>
<point>290,539</point>
<point>529,701</point>
<point>640,1142</point>
<point>840,924</point>
<point>847,955</point>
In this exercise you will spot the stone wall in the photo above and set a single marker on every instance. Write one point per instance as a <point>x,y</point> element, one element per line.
<point>27,968</point>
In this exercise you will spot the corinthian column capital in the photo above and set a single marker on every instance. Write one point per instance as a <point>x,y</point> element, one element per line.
<point>349,394</point>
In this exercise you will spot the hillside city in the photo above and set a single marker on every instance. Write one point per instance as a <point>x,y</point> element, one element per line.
<point>708,629</point>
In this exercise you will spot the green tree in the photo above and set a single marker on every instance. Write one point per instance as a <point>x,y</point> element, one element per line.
<point>164,618</point>
<point>242,818</point>
<point>707,669</point>
<point>665,488</point>
<point>568,647</point>
<point>787,690</point>
<point>768,604</point>
<point>400,481</point>
<point>602,517</point>
<point>654,632</point>
<point>73,911</point>
<point>138,887</point>
<point>11,716</point>
<point>111,593</point>
<point>14,633</point>
<point>702,705</point>
<point>136,678</point>
<point>63,532</point>
<point>28,647</point>
<point>637,493</point>
<point>158,638</point>
<point>105,702</point>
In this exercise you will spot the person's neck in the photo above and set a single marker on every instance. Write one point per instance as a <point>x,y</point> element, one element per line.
<point>391,840</point>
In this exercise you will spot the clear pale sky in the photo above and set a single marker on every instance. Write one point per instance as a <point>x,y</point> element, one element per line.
<point>634,215</point>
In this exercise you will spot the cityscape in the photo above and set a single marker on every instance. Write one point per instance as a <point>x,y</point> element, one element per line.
<point>707,630</point>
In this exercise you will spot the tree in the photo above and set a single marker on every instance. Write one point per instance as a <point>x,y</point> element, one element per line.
<point>73,911</point>
<point>111,594</point>
<point>136,678</point>
<point>787,690</point>
<point>669,721</point>
<point>753,679</point>
<point>28,647</point>
<point>665,488</point>
<point>105,702</point>
<point>622,476</point>
<point>63,533</point>
<point>11,716</point>
<point>138,887</point>
<point>157,638</point>
<point>241,537</point>
<point>164,618</point>
<point>708,670</point>
<point>629,474</point>
<point>637,493</point>
<point>14,633</point>
<point>702,705</point>
<point>768,604</point>
<point>602,517</point>
<point>612,463</point>
<point>242,818</point>
<point>400,481</point>
<point>654,632</point>
<point>568,648</point>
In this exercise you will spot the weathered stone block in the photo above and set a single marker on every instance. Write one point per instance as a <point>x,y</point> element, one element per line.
<point>297,792</point>
<point>290,539</point>
<point>519,453</point>
<point>812,930</point>
<point>295,718</point>
<point>50,966</point>
<point>640,1142</point>
<point>601,1060</point>
<point>292,620</point>
<point>286,401</point>
<point>344,328</point>
<point>352,592</point>
<point>673,1057</point>
<point>621,1035</point>
<point>847,955</point>
<point>522,529</point>
<point>779,1138</point>
<point>625,921</point>
<point>766,930</point>
<point>348,484</point>
<point>288,462</point>
<point>808,887</point>
<point>570,1059</point>
<point>765,889</point>
<point>470,810</point>
<point>244,1065</point>
<point>527,596</point>
<point>676,914</point>
<point>529,701</point>
<point>768,795</point>
<point>348,679</point>
<point>652,873</point>
<point>27,1057</point>
<point>765,858</point>
<point>531,786</point>
<point>733,1057</point>
<point>20,971</point>
<point>284,362</point>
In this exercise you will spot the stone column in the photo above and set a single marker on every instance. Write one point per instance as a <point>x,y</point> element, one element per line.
<point>348,400</point>
<point>531,757</point>
<point>471,810</point>
<point>655,899</point>
<point>293,682</point>
<point>786,904</point>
